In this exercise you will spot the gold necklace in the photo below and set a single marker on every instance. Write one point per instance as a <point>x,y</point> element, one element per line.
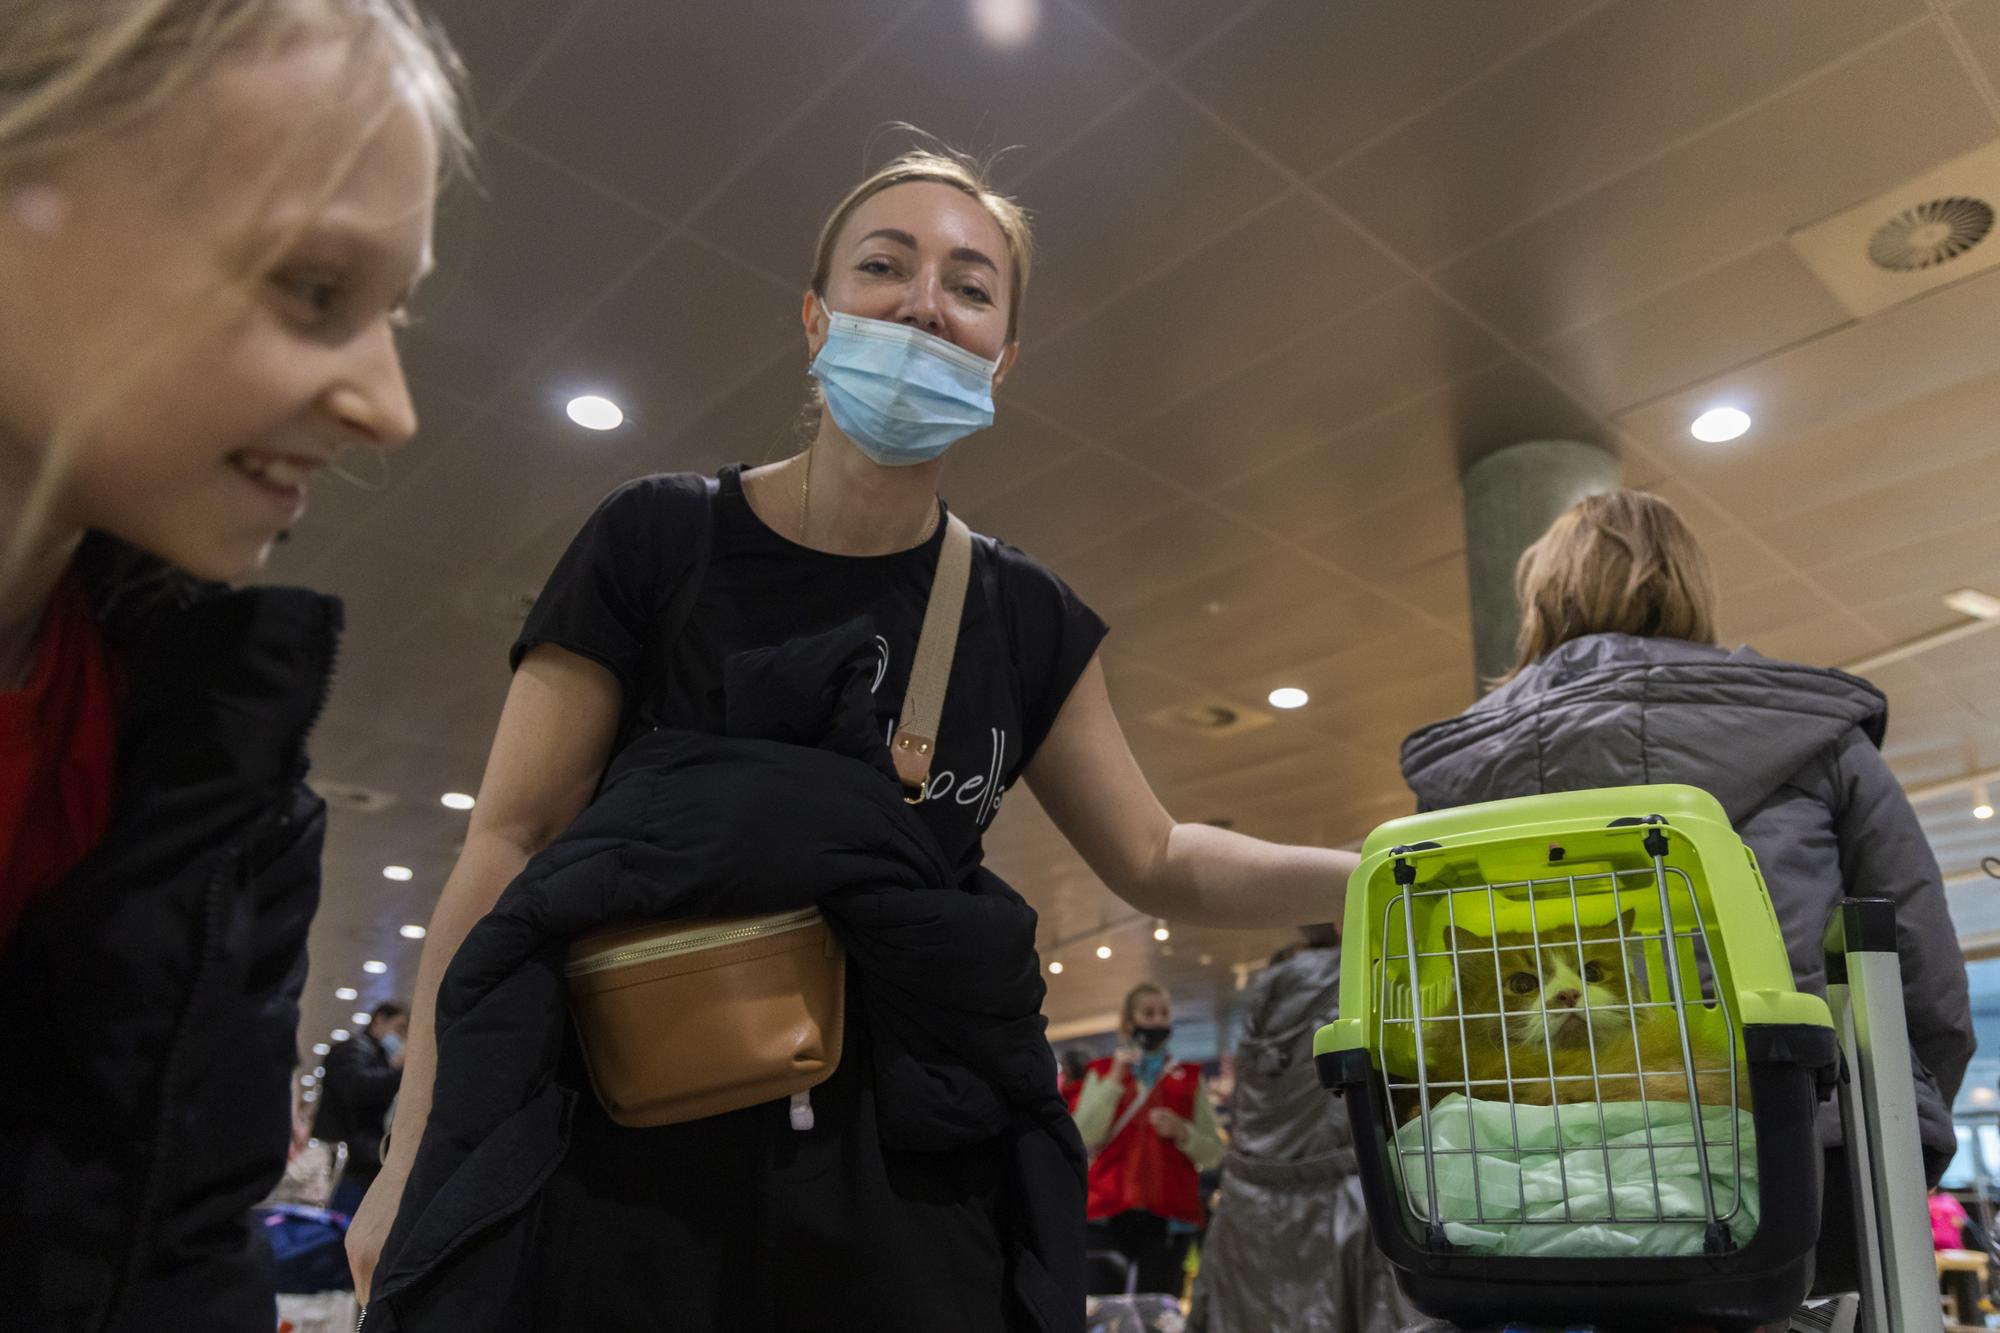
<point>806,499</point>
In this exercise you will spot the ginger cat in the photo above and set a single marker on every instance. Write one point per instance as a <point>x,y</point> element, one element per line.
<point>1525,1015</point>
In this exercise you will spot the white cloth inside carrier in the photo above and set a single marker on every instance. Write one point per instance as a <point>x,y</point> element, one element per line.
<point>1596,1179</point>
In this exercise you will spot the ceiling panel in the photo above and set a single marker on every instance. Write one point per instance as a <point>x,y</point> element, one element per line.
<point>520,254</point>
<point>495,485</point>
<point>1276,611</point>
<point>1979,22</point>
<point>1311,80</point>
<point>661,103</point>
<point>1142,562</point>
<point>1895,111</point>
<point>1405,448</point>
<point>1903,355</point>
<point>1652,74</point>
<point>650,347</point>
<point>1724,318</point>
<point>933,72</point>
<point>498,40</point>
<point>1921,434</point>
<point>1067,508</point>
<point>1163,30</point>
<point>1158,182</point>
<point>1342,371</point>
<point>1398,536</point>
<point>1890,515</point>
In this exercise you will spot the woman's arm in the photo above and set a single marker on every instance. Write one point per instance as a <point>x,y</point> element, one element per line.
<point>1096,1106</point>
<point>1084,775</point>
<point>549,750</point>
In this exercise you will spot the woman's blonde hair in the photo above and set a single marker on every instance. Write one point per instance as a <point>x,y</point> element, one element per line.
<point>1136,994</point>
<point>1618,563</point>
<point>943,166</point>
<point>74,72</point>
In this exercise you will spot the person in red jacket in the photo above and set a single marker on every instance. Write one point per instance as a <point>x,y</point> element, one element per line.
<point>1151,1131</point>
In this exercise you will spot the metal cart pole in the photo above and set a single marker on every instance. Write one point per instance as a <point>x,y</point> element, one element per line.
<point>1878,1115</point>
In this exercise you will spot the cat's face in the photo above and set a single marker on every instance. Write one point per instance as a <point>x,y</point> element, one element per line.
<point>1556,995</point>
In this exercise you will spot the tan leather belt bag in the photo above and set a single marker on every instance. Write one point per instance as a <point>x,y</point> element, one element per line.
<point>684,1019</point>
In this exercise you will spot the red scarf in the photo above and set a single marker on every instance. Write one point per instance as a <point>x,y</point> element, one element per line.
<point>58,754</point>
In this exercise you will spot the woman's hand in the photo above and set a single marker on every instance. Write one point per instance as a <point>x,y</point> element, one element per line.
<point>1121,1060</point>
<point>369,1230</point>
<point>1170,1126</point>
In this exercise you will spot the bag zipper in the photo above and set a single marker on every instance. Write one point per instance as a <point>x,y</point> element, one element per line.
<point>693,942</point>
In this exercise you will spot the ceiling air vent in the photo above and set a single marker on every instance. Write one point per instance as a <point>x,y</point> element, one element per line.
<point>1922,235</point>
<point>1210,717</point>
<point>1933,233</point>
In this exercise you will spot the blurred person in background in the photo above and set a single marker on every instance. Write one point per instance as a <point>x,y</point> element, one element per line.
<point>363,1075</point>
<point>1289,1246</point>
<point>1150,1128</point>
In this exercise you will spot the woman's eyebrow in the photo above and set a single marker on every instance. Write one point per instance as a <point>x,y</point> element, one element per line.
<point>964,254</point>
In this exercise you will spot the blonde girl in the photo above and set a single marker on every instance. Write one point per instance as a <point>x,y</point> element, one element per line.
<point>211,212</point>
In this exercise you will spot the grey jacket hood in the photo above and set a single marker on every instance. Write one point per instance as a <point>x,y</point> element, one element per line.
<point>1612,708</point>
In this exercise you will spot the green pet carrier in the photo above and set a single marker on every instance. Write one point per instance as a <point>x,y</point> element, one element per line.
<point>1582,1082</point>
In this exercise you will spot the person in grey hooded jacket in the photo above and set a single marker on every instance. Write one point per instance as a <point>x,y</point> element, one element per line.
<point>1289,1247</point>
<point>1619,682</point>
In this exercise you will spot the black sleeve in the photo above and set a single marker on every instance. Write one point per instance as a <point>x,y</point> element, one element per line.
<point>1054,637</point>
<point>606,592</point>
<point>367,1087</point>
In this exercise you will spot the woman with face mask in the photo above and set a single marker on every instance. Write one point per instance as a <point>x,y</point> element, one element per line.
<point>687,602</point>
<point>1150,1129</point>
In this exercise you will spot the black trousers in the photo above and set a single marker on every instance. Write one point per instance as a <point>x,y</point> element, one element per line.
<point>1144,1240</point>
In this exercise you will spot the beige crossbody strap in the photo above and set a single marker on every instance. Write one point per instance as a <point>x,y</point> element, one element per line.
<point>916,733</point>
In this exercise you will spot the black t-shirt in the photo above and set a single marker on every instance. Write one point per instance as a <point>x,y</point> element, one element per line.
<point>1023,639</point>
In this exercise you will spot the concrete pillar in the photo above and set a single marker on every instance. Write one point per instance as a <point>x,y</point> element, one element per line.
<point>1511,497</point>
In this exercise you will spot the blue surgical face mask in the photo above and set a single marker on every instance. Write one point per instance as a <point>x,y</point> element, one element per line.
<point>391,1043</point>
<point>902,395</point>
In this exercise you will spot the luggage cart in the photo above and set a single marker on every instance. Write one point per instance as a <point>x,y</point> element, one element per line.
<point>1583,1084</point>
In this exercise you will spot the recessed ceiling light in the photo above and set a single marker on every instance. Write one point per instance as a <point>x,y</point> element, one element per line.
<point>319,1071</point>
<point>456,800</point>
<point>412,932</point>
<point>1103,951</point>
<point>1982,802</point>
<point>398,873</point>
<point>321,1048</point>
<point>1055,968</point>
<point>1206,959</point>
<point>307,1080</point>
<point>1160,932</point>
<point>1971,602</point>
<point>374,967</point>
<point>594,413</point>
<point>360,1017</point>
<point>1289,697</point>
<point>1719,424</point>
<point>340,1034</point>
<point>345,993</point>
<point>310,1097</point>
<point>1007,24</point>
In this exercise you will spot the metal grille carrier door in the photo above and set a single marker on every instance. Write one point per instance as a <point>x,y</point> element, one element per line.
<point>1581,1078</point>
